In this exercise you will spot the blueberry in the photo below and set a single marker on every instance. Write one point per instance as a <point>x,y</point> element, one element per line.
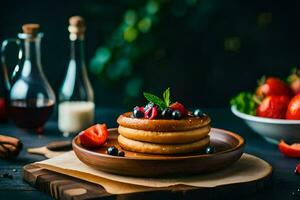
<point>113,151</point>
<point>7,175</point>
<point>138,113</point>
<point>210,150</point>
<point>176,114</point>
<point>121,153</point>
<point>166,113</point>
<point>198,113</point>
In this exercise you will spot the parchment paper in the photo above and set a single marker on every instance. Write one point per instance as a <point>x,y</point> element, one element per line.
<point>248,168</point>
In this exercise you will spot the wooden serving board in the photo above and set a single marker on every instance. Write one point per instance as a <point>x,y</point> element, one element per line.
<point>64,187</point>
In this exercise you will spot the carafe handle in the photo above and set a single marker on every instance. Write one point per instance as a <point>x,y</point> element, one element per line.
<point>3,60</point>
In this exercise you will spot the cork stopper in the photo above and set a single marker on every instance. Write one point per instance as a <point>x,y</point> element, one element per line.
<point>76,27</point>
<point>77,21</point>
<point>31,29</point>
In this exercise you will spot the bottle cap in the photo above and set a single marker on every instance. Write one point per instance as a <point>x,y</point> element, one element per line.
<point>31,29</point>
<point>76,27</point>
<point>77,21</point>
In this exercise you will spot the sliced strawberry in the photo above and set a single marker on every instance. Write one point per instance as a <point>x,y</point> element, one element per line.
<point>151,113</point>
<point>289,150</point>
<point>94,136</point>
<point>273,107</point>
<point>178,106</point>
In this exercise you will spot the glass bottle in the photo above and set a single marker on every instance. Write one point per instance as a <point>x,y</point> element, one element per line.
<point>30,97</point>
<point>76,98</point>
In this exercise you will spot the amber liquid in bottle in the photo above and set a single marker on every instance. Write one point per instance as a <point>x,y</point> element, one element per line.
<point>31,114</point>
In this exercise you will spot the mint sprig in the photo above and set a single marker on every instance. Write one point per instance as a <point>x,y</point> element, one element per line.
<point>155,99</point>
<point>162,104</point>
<point>166,96</point>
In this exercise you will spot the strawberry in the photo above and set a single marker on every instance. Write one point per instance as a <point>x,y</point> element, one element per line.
<point>94,136</point>
<point>293,110</point>
<point>151,113</point>
<point>273,87</point>
<point>294,81</point>
<point>273,107</point>
<point>297,169</point>
<point>292,151</point>
<point>3,110</point>
<point>295,85</point>
<point>178,106</point>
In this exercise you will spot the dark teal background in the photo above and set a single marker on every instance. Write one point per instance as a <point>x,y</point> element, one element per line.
<point>207,52</point>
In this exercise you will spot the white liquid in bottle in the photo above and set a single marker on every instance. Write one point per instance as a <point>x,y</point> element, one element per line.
<point>75,116</point>
<point>76,97</point>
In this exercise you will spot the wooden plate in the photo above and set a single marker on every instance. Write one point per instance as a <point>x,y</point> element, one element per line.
<point>229,148</point>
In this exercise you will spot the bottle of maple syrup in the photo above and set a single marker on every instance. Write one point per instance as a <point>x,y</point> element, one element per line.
<point>76,98</point>
<point>30,97</point>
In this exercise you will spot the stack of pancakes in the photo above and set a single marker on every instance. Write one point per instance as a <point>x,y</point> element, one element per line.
<point>161,136</point>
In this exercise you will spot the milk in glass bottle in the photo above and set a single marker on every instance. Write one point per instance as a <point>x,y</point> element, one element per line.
<point>76,98</point>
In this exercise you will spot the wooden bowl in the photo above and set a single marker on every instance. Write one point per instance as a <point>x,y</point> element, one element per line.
<point>229,148</point>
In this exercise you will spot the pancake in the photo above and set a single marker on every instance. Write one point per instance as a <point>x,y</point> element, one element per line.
<point>177,137</point>
<point>147,147</point>
<point>163,125</point>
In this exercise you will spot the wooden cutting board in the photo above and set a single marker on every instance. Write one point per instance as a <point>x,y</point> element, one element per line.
<point>64,187</point>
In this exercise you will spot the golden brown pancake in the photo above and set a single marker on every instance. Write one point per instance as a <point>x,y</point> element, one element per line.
<point>163,125</point>
<point>147,147</point>
<point>177,137</point>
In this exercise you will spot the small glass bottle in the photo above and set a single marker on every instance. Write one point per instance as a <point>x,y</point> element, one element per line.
<point>76,98</point>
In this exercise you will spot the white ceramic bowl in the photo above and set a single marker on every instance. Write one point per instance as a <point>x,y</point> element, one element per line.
<point>272,130</point>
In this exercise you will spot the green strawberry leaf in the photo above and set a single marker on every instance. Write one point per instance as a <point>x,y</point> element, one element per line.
<point>156,100</point>
<point>166,96</point>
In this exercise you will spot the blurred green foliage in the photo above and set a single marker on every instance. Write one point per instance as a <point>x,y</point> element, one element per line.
<point>245,103</point>
<point>205,50</point>
<point>133,41</point>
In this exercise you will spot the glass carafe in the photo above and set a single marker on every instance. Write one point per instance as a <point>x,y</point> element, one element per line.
<point>30,97</point>
<point>76,98</point>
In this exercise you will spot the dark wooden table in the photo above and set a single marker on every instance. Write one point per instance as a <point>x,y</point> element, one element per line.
<point>284,181</point>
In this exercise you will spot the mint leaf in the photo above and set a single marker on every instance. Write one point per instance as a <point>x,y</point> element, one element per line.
<point>245,103</point>
<point>166,96</point>
<point>156,100</point>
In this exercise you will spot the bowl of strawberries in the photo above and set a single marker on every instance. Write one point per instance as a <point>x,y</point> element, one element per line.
<point>273,109</point>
